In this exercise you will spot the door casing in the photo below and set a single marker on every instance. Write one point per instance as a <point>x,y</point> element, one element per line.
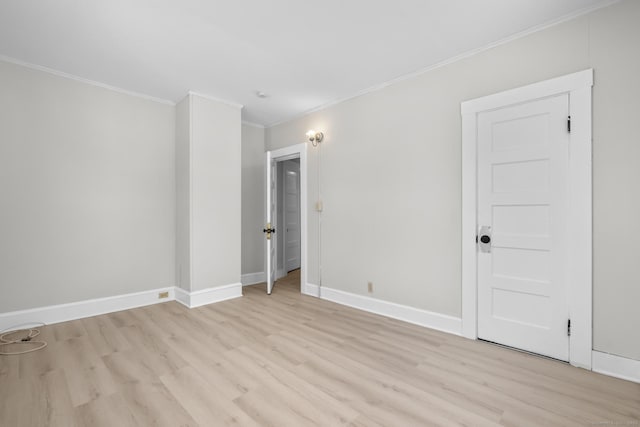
<point>578,87</point>
<point>298,151</point>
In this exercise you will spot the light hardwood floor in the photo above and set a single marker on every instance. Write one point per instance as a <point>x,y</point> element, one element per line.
<point>292,360</point>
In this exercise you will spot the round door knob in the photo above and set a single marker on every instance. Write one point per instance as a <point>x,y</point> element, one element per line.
<point>485,239</point>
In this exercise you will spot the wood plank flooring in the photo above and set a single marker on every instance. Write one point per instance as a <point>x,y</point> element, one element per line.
<point>292,360</point>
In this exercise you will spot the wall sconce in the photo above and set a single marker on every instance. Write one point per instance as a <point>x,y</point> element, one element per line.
<point>315,137</point>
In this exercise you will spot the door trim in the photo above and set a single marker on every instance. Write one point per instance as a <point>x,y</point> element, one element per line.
<point>298,151</point>
<point>580,293</point>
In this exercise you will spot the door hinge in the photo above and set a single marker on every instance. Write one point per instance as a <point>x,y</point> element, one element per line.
<point>569,124</point>
<point>569,327</point>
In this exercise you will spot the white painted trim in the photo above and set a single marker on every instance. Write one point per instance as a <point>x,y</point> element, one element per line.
<point>603,363</point>
<point>83,80</point>
<point>616,366</point>
<point>292,152</point>
<point>578,86</point>
<point>253,278</point>
<point>252,124</point>
<point>208,296</point>
<point>580,228</point>
<point>182,296</point>
<point>214,99</point>
<point>312,290</point>
<point>469,228</point>
<point>212,295</point>
<point>428,319</point>
<point>192,226</point>
<point>600,5</point>
<point>94,307</point>
<point>81,309</point>
<point>532,30</point>
<point>607,364</point>
<point>563,84</point>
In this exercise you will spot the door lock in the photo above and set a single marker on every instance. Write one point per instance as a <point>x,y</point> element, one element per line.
<point>484,239</point>
<point>269,230</point>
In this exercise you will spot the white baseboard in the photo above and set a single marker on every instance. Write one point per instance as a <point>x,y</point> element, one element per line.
<point>616,366</point>
<point>428,319</point>
<point>604,363</point>
<point>94,307</point>
<point>280,273</point>
<point>78,310</point>
<point>211,295</point>
<point>253,278</point>
<point>311,290</point>
<point>183,297</point>
<point>208,296</point>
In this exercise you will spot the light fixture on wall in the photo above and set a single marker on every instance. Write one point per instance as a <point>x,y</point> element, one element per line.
<point>315,137</point>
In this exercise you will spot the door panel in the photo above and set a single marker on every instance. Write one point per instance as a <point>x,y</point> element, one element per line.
<point>522,196</point>
<point>521,176</point>
<point>292,215</point>
<point>270,168</point>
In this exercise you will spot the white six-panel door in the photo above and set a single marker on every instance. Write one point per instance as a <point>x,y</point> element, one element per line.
<point>522,206</point>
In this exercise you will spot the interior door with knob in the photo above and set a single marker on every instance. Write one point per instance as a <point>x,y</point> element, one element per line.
<point>269,229</point>
<point>523,159</point>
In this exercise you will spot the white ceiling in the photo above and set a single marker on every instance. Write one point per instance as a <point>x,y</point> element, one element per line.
<point>303,54</point>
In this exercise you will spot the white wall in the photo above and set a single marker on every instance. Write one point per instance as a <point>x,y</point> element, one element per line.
<point>86,191</point>
<point>209,193</point>
<point>390,174</point>
<point>183,194</point>
<point>252,199</point>
<point>615,54</point>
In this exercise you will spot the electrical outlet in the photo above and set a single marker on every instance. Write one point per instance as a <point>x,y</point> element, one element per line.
<point>370,287</point>
<point>163,295</point>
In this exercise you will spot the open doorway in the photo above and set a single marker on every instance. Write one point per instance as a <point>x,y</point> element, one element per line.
<point>288,217</point>
<point>285,217</point>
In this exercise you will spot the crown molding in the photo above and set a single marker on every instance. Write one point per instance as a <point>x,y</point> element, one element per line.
<point>537,28</point>
<point>214,99</point>
<point>83,80</point>
<point>252,124</point>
